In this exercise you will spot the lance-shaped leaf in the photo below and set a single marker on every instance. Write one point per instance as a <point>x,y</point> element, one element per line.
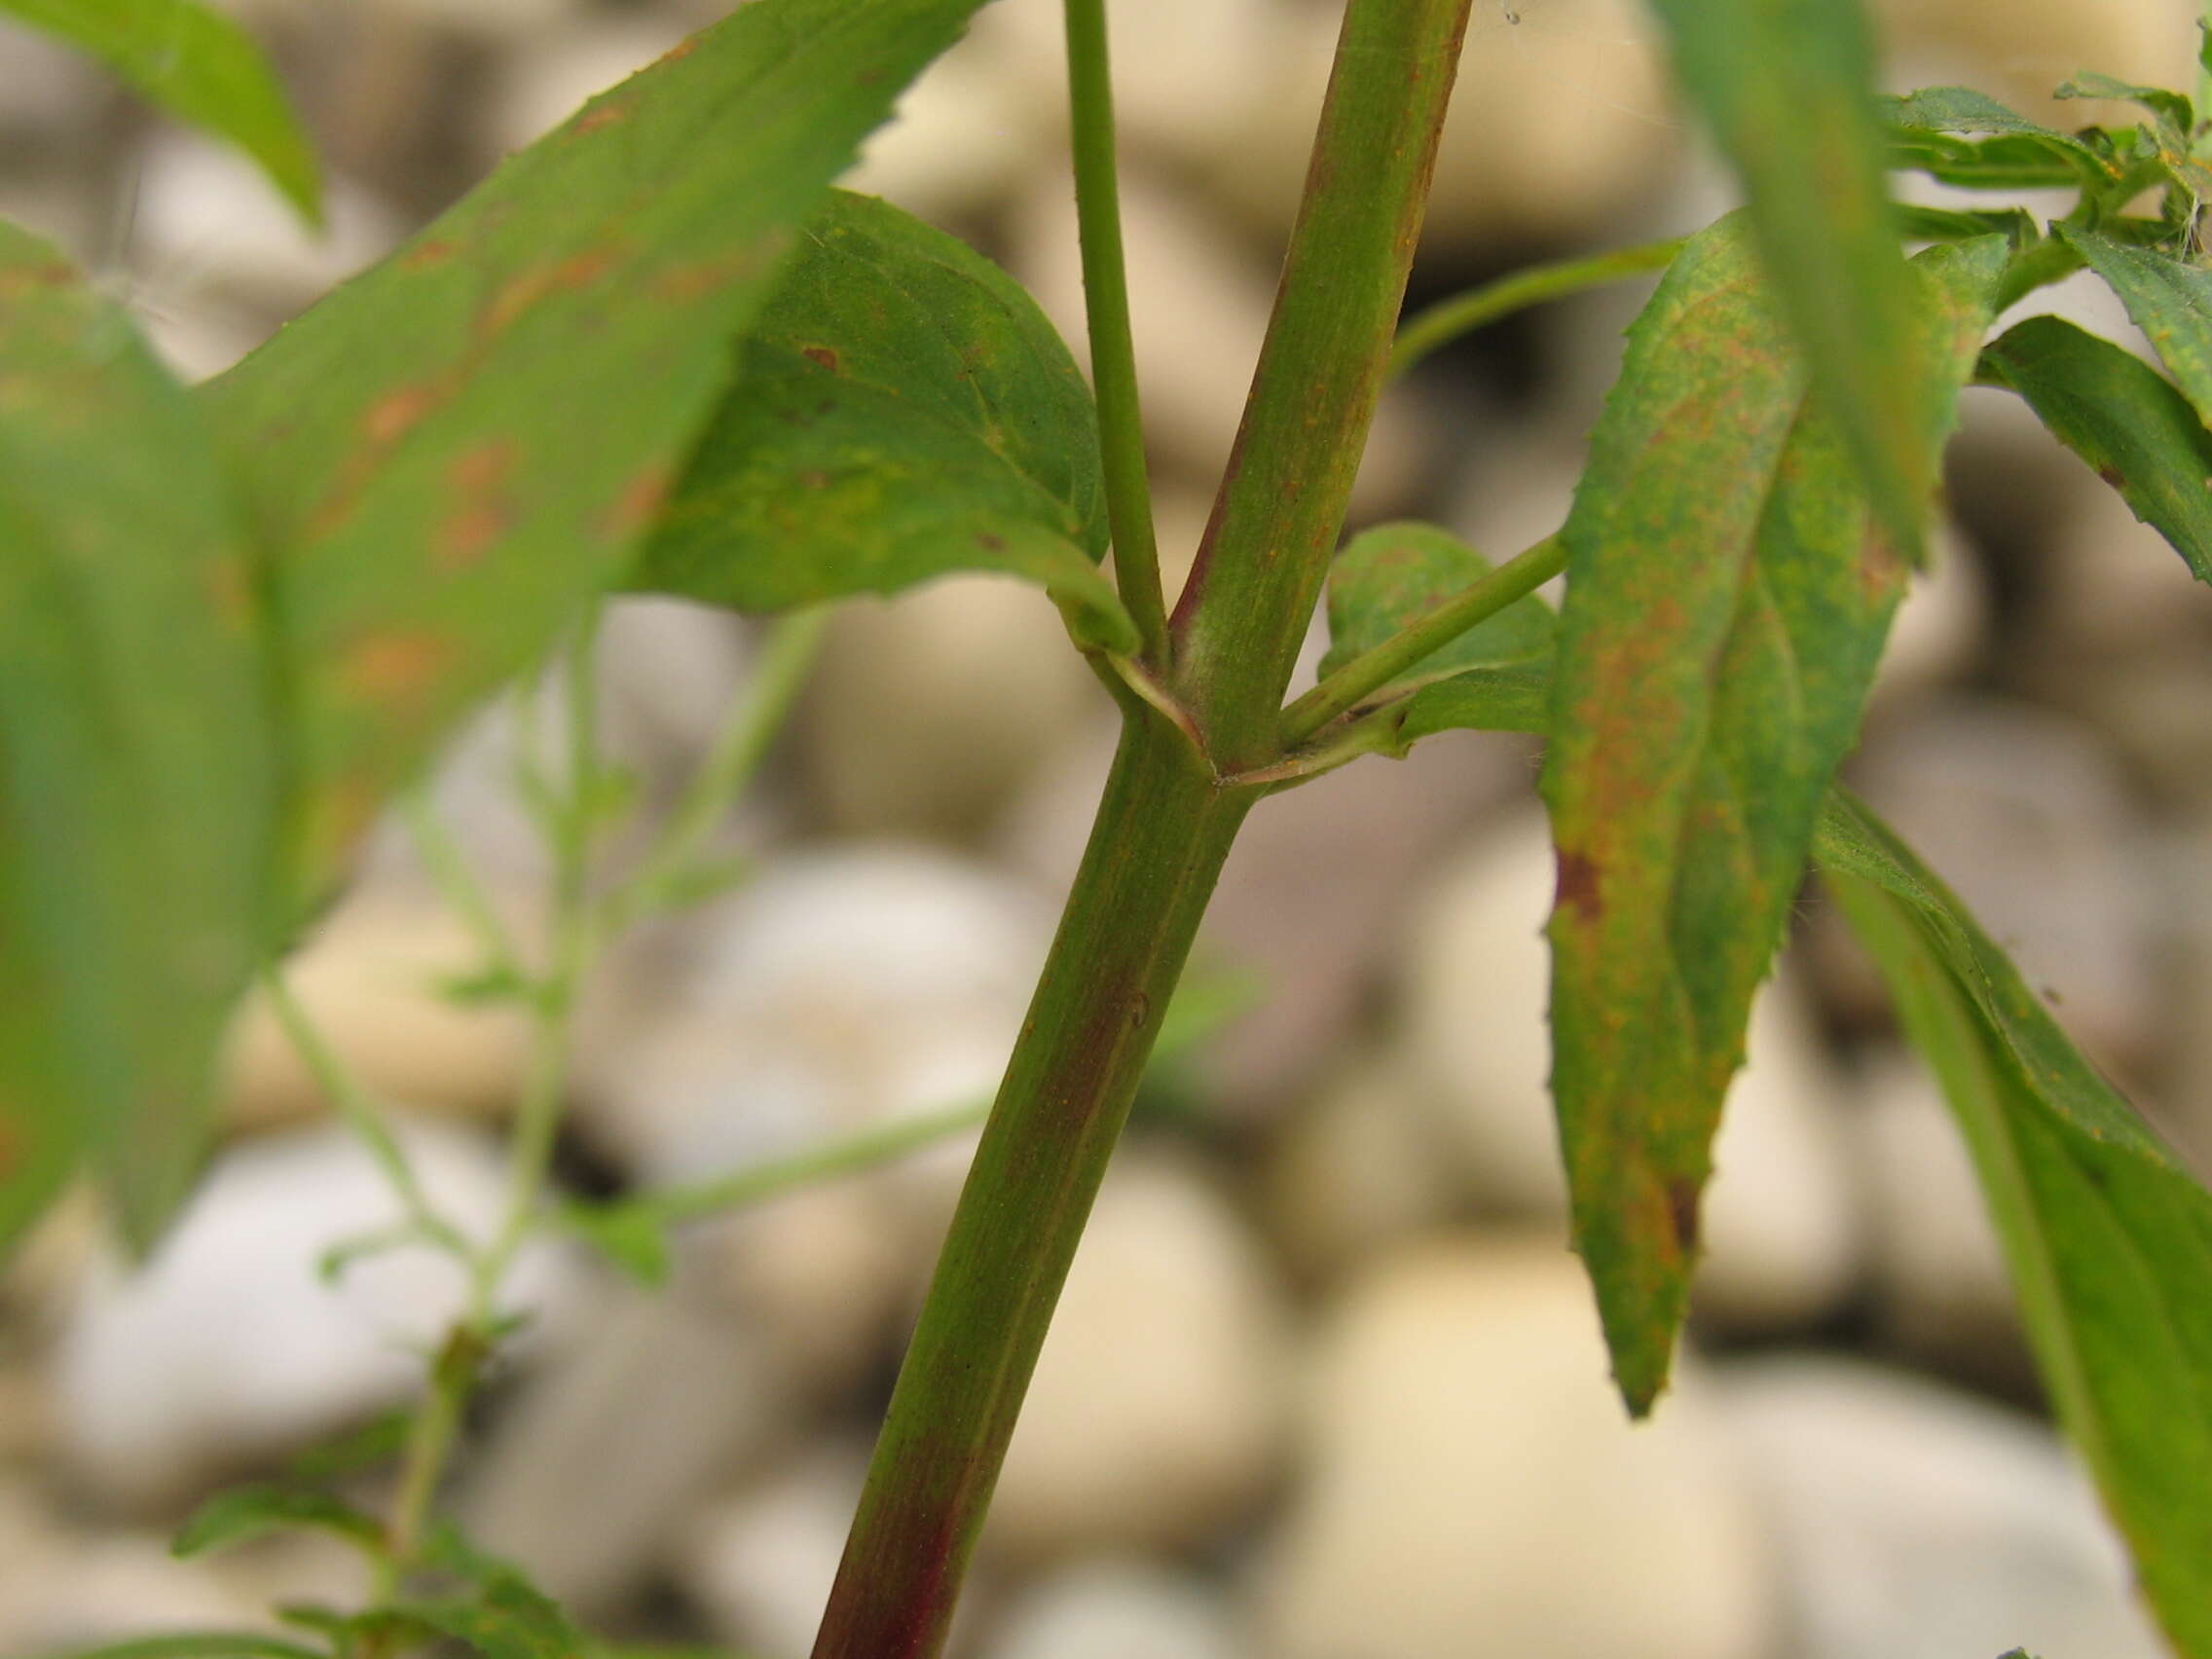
<point>246,1513</point>
<point>135,793</point>
<point>2124,417</point>
<point>2108,1237</point>
<point>195,63</point>
<point>2169,300</point>
<point>1787,88</point>
<point>1927,131</point>
<point>1728,593</point>
<point>457,447</point>
<point>903,410</point>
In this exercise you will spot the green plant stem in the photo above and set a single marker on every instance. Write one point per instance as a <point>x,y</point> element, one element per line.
<point>1283,500</point>
<point>1478,308</point>
<point>457,883</point>
<point>361,1114</point>
<point>1106,304</point>
<point>1162,831</point>
<point>571,823</point>
<point>570,820</point>
<point>431,1439</point>
<point>793,644</point>
<point>1164,828</point>
<point>848,1154</point>
<point>2050,261</point>
<point>1377,667</point>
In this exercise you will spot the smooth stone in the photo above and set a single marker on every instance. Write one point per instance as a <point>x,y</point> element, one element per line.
<point>227,1349</point>
<point>47,91</point>
<point>1560,123</point>
<point>1187,74</point>
<point>1939,1269</point>
<point>1157,1414</point>
<point>835,990</point>
<point>1199,303</point>
<point>1779,1220</point>
<point>965,133</point>
<point>930,713</point>
<point>368,980</point>
<point>67,1590</point>
<point>1355,1170</point>
<point>1467,1467</point>
<point>759,1564</point>
<point>838,991</point>
<point>588,1477</point>
<point>671,677</point>
<point>213,236</point>
<point>1118,1608</point>
<point>1909,1521</point>
<point>2029,818</point>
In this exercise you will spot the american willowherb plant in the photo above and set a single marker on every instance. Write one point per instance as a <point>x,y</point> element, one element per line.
<point>657,352</point>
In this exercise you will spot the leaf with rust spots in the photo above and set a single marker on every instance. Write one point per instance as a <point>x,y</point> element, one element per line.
<point>193,62</point>
<point>2169,299</point>
<point>902,412</point>
<point>2107,1236</point>
<point>1787,87</point>
<point>137,802</point>
<point>2124,419</point>
<point>1730,588</point>
<point>571,316</point>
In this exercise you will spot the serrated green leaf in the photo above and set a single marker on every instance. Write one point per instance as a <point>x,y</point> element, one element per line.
<point>1389,577</point>
<point>2121,417</point>
<point>135,792</point>
<point>1787,87</point>
<point>901,411</point>
<point>249,1512</point>
<point>376,1442</point>
<point>1927,134</point>
<point>454,449</point>
<point>2168,106</point>
<point>1728,593</point>
<point>502,1614</point>
<point>2108,1237</point>
<point>201,67</point>
<point>1962,109</point>
<point>2169,300</point>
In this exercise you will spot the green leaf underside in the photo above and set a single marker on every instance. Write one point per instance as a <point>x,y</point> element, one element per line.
<point>2121,417</point>
<point>200,66</point>
<point>2108,1237</point>
<point>1388,577</point>
<point>136,803</point>
<point>1926,130</point>
<point>1729,595</point>
<point>901,411</point>
<point>250,1512</point>
<point>1787,87</point>
<point>2169,300</point>
<point>455,449</point>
